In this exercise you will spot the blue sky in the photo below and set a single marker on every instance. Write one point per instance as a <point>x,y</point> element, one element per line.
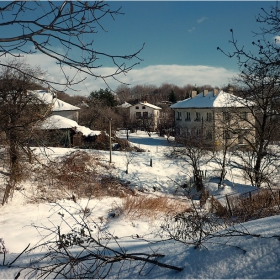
<point>184,32</point>
<point>181,40</point>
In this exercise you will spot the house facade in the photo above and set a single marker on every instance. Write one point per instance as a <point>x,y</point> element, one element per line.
<point>61,127</point>
<point>58,107</point>
<point>145,115</point>
<point>217,118</point>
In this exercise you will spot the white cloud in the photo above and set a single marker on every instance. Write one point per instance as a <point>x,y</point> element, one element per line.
<point>200,20</point>
<point>191,30</point>
<point>179,75</point>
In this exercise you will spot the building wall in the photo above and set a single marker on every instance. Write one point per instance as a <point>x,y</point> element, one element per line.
<point>72,115</point>
<point>216,126</point>
<point>232,127</point>
<point>139,111</point>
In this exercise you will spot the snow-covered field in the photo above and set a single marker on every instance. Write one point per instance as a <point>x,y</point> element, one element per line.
<point>256,255</point>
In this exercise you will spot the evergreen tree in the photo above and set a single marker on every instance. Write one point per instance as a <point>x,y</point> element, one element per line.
<point>105,96</point>
<point>172,97</point>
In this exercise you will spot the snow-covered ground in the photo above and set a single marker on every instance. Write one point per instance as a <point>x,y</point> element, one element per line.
<point>256,255</point>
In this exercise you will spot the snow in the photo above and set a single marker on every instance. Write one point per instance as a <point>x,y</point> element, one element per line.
<point>125,105</point>
<point>59,122</point>
<point>256,255</point>
<point>60,105</point>
<point>57,104</point>
<point>148,105</point>
<point>222,99</point>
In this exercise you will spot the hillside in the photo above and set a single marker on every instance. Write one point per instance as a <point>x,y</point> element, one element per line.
<point>244,250</point>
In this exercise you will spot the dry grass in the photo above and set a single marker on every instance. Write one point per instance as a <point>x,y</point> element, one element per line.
<point>77,175</point>
<point>143,206</point>
<point>258,205</point>
<point>250,206</point>
<point>217,208</point>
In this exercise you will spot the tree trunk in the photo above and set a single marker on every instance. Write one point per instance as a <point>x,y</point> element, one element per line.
<point>223,172</point>
<point>257,169</point>
<point>14,168</point>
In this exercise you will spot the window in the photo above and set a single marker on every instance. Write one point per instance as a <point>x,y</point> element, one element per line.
<point>227,135</point>
<point>178,131</point>
<point>143,107</point>
<point>244,116</point>
<point>242,136</point>
<point>179,116</point>
<point>240,139</point>
<point>145,115</point>
<point>137,107</point>
<point>226,116</point>
<point>197,116</point>
<point>198,132</point>
<point>209,117</point>
<point>138,115</point>
<point>188,116</point>
<point>209,135</point>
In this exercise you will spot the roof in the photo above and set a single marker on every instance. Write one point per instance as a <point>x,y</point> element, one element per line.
<point>221,100</point>
<point>59,122</point>
<point>148,105</point>
<point>125,105</point>
<point>58,105</point>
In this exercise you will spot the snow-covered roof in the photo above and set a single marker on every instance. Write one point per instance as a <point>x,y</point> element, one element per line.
<point>148,105</point>
<point>222,99</point>
<point>60,105</point>
<point>59,122</point>
<point>49,98</point>
<point>125,105</point>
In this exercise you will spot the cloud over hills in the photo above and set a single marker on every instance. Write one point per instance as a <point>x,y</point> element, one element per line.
<point>179,75</point>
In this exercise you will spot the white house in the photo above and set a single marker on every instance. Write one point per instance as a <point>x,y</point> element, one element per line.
<point>145,114</point>
<point>58,107</point>
<point>62,127</point>
<point>214,116</point>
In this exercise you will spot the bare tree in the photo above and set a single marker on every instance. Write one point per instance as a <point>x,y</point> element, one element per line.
<point>166,122</point>
<point>123,93</point>
<point>258,82</point>
<point>227,133</point>
<point>39,27</point>
<point>193,150</point>
<point>125,121</point>
<point>20,111</point>
<point>129,157</point>
<point>81,249</point>
<point>261,85</point>
<point>95,115</point>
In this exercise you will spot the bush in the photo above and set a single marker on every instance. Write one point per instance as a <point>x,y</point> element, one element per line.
<point>124,145</point>
<point>217,208</point>
<point>76,175</point>
<point>192,227</point>
<point>251,206</point>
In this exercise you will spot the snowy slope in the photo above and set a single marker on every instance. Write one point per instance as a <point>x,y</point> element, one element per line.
<point>238,256</point>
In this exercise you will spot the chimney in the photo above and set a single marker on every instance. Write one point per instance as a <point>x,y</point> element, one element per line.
<point>230,90</point>
<point>194,92</point>
<point>205,92</point>
<point>146,98</point>
<point>216,91</point>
